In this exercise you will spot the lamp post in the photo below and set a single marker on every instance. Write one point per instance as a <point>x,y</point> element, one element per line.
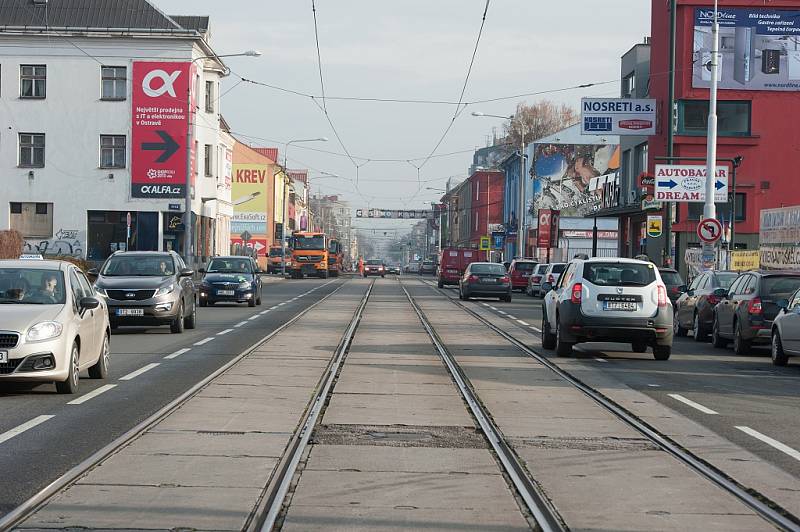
<point>188,227</point>
<point>285,213</point>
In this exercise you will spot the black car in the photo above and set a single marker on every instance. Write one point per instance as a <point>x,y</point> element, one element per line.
<point>231,279</point>
<point>485,279</point>
<point>674,283</point>
<point>393,269</point>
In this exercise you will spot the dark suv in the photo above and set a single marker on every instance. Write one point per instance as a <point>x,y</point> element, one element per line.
<point>148,288</point>
<point>231,279</point>
<point>747,309</point>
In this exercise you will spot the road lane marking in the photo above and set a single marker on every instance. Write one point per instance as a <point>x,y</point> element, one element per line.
<point>493,308</point>
<point>537,329</point>
<point>134,374</point>
<point>485,304</point>
<point>251,318</point>
<point>600,359</point>
<point>503,313</point>
<point>177,353</point>
<point>240,324</point>
<point>794,453</point>
<point>226,331</point>
<point>22,428</point>
<point>696,406</point>
<point>654,385</point>
<point>204,341</point>
<point>512,317</point>
<point>273,308</point>
<point>83,398</point>
<point>526,324</point>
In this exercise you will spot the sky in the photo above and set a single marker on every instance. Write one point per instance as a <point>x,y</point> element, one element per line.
<point>415,49</point>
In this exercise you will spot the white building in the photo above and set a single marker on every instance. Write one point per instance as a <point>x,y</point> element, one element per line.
<point>66,117</point>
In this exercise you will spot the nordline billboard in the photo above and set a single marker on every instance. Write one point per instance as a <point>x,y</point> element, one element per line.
<point>618,116</point>
<point>159,126</point>
<point>758,49</point>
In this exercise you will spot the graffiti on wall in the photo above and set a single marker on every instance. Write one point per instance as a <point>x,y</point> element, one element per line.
<point>65,243</point>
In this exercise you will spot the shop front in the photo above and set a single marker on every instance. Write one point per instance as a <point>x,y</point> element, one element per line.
<point>108,231</point>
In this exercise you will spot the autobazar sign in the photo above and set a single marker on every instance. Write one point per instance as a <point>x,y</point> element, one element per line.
<point>687,183</point>
<point>618,116</point>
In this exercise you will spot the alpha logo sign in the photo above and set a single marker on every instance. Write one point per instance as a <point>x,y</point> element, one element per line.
<point>547,234</point>
<point>159,127</point>
<point>618,116</point>
<point>687,183</point>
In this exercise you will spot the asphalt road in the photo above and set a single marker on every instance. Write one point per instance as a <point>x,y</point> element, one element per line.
<point>142,381</point>
<point>741,391</point>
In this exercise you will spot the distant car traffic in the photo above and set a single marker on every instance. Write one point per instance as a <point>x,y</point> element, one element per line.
<point>786,330</point>
<point>374,267</point>
<point>428,267</point>
<point>608,300</point>
<point>747,309</point>
<point>519,272</point>
<point>485,279</point>
<point>412,267</point>
<point>393,269</point>
<point>536,280</point>
<point>54,325</point>
<point>231,279</point>
<point>148,288</point>
<point>694,308</point>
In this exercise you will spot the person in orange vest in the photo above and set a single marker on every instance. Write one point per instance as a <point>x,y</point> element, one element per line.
<point>361,265</point>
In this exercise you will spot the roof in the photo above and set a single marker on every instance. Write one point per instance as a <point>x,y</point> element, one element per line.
<point>298,175</point>
<point>101,14</point>
<point>270,153</point>
<point>191,22</point>
<point>34,264</point>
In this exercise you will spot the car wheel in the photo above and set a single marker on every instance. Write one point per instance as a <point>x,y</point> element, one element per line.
<point>677,330</point>
<point>779,356</point>
<point>740,345</point>
<point>251,302</point>
<point>698,331</point>
<point>176,326</point>
<point>190,322</point>
<point>639,347</point>
<point>203,302</point>
<point>507,298</point>
<point>70,385</point>
<point>662,352</point>
<point>100,369</point>
<point>548,338</point>
<point>563,349</point>
<point>440,284</point>
<point>717,340</point>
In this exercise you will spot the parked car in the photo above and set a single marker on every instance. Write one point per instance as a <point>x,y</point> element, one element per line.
<point>694,309</point>
<point>747,309</point>
<point>232,279</point>
<point>56,327</point>
<point>519,272</point>
<point>608,300</point>
<point>674,283</point>
<point>536,280</point>
<point>554,271</point>
<point>485,279</point>
<point>148,288</point>
<point>374,267</point>
<point>786,330</point>
<point>428,267</point>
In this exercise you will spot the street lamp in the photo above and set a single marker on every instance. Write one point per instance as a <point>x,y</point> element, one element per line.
<point>285,213</point>
<point>187,196</point>
<point>521,233</point>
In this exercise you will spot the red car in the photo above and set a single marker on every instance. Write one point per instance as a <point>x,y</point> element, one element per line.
<point>519,271</point>
<point>453,262</point>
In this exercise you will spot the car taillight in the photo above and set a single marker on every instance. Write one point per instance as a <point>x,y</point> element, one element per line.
<point>577,290</point>
<point>754,306</point>
<point>662,295</point>
<point>713,300</point>
<point>473,278</point>
<point>537,278</point>
<point>551,279</point>
<point>504,279</point>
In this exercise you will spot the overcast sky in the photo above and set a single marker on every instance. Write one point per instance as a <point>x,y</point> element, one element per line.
<point>415,49</point>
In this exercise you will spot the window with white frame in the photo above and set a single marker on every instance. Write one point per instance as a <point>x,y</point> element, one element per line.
<point>114,81</point>
<point>209,96</point>
<point>112,151</point>
<point>208,162</point>
<point>31,150</point>
<point>32,81</point>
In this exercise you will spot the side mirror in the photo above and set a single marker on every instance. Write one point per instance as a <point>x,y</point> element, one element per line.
<point>682,288</point>
<point>721,292</point>
<point>94,272</point>
<point>187,272</point>
<point>89,303</point>
<point>546,287</point>
<point>782,304</point>
<point>201,270</point>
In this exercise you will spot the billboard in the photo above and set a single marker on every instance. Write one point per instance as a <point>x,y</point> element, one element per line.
<point>618,116</point>
<point>563,175</point>
<point>159,127</point>
<point>395,214</point>
<point>687,183</point>
<point>779,238</point>
<point>547,234</point>
<point>758,49</point>
<point>259,245</point>
<point>249,198</point>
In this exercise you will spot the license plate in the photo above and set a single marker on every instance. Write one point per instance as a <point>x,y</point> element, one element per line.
<point>3,357</point>
<point>488,281</point>
<point>225,292</point>
<point>620,305</point>
<point>130,312</point>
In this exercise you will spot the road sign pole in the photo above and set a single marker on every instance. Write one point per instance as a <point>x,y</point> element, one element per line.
<point>710,210</point>
<point>187,197</point>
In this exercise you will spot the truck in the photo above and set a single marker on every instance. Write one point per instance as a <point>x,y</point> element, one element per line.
<point>335,257</point>
<point>453,262</point>
<point>274,259</point>
<point>309,254</point>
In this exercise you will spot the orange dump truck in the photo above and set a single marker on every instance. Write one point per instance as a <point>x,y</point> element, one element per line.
<point>309,254</point>
<point>335,257</point>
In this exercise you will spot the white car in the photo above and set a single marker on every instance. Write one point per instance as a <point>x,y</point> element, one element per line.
<point>608,300</point>
<point>552,273</point>
<point>54,325</point>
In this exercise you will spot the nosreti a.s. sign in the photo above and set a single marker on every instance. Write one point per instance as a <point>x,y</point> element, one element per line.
<point>159,127</point>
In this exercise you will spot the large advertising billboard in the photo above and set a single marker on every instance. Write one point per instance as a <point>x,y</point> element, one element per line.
<point>759,49</point>
<point>159,126</point>
<point>249,198</point>
<point>779,238</point>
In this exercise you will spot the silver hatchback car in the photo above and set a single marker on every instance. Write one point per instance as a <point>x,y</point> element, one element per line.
<point>53,324</point>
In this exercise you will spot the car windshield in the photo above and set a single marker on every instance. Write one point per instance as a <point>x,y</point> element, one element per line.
<point>275,252</point>
<point>524,266</point>
<point>374,262</point>
<point>230,266</point>
<point>671,278</point>
<point>490,269</point>
<point>138,266</point>
<point>32,286</point>
<point>775,287</point>
<point>725,280</point>
<point>309,242</point>
<point>619,273</point>
<point>558,268</point>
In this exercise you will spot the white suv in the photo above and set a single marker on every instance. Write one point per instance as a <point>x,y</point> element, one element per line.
<point>608,300</point>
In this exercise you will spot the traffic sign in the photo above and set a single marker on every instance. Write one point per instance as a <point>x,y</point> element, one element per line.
<point>687,183</point>
<point>246,236</point>
<point>709,230</point>
<point>485,243</point>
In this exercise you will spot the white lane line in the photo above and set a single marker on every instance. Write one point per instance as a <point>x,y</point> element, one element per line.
<point>22,428</point>
<point>281,304</point>
<point>134,374</point>
<point>273,308</point>
<point>177,353</point>
<point>223,333</point>
<point>600,359</point>
<point>251,318</point>
<point>240,324</point>
<point>537,329</point>
<point>794,453</point>
<point>83,398</point>
<point>696,406</point>
<point>654,385</point>
<point>204,341</point>
<point>493,308</point>
<point>485,304</point>
<point>503,313</point>
<point>525,323</point>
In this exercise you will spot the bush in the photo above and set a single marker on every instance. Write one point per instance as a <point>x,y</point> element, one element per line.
<point>11,244</point>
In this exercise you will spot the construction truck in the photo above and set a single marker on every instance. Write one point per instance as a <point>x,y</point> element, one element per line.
<point>335,257</point>
<point>275,257</point>
<point>309,254</point>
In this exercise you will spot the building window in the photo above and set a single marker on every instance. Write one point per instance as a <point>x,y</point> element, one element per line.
<point>640,153</point>
<point>208,160</point>
<point>629,85</point>
<point>733,118</point>
<point>31,150</point>
<point>723,209</point>
<point>112,151</point>
<point>114,83</point>
<point>32,81</point>
<point>32,220</point>
<point>209,96</point>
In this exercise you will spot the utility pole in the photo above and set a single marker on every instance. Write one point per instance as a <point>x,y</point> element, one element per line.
<point>709,209</point>
<point>673,13</point>
<point>522,234</point>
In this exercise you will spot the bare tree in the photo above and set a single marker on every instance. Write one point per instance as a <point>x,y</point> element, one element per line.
<point>540,120</point>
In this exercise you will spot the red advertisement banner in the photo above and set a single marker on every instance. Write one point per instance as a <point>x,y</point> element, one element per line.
<point>260,245</point>
<point>547,235</point>
<point>159,126</point>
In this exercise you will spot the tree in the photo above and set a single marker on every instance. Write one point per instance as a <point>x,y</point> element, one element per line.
<point>540,120</point>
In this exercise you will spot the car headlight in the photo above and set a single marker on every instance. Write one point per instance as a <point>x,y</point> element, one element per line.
<point>100,291</point>
<point>45,330</point>
<point>164,290</point>
<point>245,285</point>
